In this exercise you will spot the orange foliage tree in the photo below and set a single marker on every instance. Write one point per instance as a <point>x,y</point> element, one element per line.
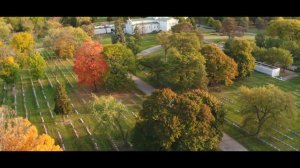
<point>18,134</point>
<point>90,65</point>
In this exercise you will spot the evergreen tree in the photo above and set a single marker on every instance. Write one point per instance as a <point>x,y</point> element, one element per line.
<point>119,35</point>
<point>62,102</point>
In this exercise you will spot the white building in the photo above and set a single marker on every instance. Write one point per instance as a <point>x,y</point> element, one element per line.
<point>104,29</point>
<point>267,69</point>
<point>150,24</point>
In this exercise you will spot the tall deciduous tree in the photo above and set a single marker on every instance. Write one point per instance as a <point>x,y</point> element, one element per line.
<point>37,65</point>
<point>164,40</point>
<point>21,24</point>
<point>133,44</point>
<point>219,67</point>
<point>18,134</point>
<point>286,29</point>
<point>244,22</point>
<point>266,106</point>
<point>180,122</point>
<point>62,101</point>
<point>187,28</point>
<point>119,35</point>
<point>260,23</point>
<point>229,26</point>
<point>9,69</point>
<point>65,41</point>
<point>241,51</point>
<point>121,60</point>
<point>22,42</point>
<point>5,29</point>
<point>187,70</point>
<point>90,65</point>
<point>185,42</point>
<point>110,114</point>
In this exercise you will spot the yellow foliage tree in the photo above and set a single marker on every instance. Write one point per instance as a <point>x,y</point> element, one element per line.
<point>18,134</point>
<point>22,42</point>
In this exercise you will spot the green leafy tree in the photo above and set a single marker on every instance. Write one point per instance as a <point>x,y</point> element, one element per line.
<point>37,65</point>
<point>110,114</point>
<point>164,40</point>
<point>185,42</point>
<point>187,122</point>
<point>217,25</point>
<point>40,26</point>
<point>260,23</point>
<point>229,26</point>
<point>187,70</point>
<point>65,41</point>
<point>119,35</point>
<point>133,44</point>
<point>69,21</point>
<point>62,101</point>
<point>5,29</point>
<point>219,67</point>
<point>259,53</point>
<point>286,29</point>
<point>260,40</point>
<point>121,60</point>
<point>156,69</point>
<point>187,28</point>
<point>21,24</point>
<point>244,22</point>
<point>241,51</point>
<point>9,69</point>
<point>264,107</point>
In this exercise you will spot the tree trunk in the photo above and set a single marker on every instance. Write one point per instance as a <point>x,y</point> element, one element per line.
<point>258,129</point>
<point>124,137</point>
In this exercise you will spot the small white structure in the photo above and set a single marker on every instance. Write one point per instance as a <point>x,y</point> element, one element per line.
<point>104,29</point>
<point>267,69</point>
<point>150,24</point>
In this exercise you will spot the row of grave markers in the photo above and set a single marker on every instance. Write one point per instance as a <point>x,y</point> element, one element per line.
<point>75,131</point>
<point>81,120</point>
<point>24,99</point>
<point>264,141</point>
<point>45,97</point>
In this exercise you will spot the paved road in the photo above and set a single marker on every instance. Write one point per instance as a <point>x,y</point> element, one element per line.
<point>227,142</point>
<point>143,86</point>
<point>149,50</point>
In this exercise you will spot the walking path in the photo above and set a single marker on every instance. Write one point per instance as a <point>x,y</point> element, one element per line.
<point>227,142</point>
<point>149,50</point>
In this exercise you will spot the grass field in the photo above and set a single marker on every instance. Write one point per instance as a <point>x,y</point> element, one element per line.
<point>104,39</point>
<point>78,131</point>
<point>284,139</point>
<point>148,41</point>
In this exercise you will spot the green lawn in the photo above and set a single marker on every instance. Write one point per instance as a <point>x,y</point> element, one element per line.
<point>230,97</point>
<point>38,110</point>
<point>103,39</point>
<point>148,41</point>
